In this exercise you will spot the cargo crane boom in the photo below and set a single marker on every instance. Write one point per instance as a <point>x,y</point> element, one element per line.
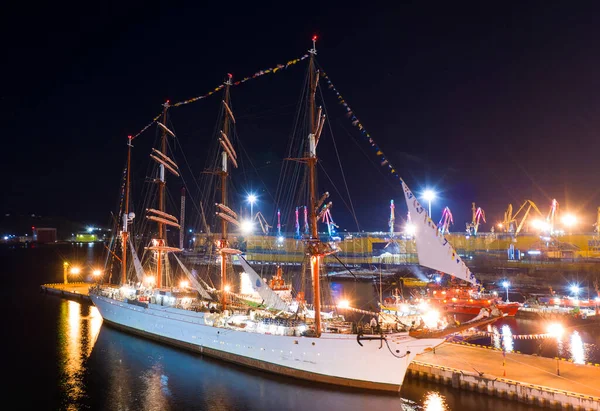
<point>512,224</point>
<point>478,215</point>
<point>264,226</point>
<point>445,221</point>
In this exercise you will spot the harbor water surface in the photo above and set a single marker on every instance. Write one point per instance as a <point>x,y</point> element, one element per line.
<point>64,358</point>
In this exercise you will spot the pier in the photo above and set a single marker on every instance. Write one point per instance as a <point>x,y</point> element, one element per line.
<point>73,291</point>
<point>519,377</point>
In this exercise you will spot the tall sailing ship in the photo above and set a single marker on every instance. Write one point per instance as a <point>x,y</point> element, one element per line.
<point>273,336</point>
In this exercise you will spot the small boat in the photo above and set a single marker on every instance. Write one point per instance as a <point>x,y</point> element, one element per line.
<point>435,252</point>
<point>467,300</point>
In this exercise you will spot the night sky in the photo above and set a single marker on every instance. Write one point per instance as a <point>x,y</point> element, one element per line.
<point>487,104</point>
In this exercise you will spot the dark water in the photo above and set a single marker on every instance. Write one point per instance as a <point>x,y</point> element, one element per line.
<point>59,356</point>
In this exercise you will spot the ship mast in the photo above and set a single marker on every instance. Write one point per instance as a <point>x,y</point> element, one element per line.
<point>161,200</point>
<point>224,243</point>
<point>125,232</point>
<point>315,247</point>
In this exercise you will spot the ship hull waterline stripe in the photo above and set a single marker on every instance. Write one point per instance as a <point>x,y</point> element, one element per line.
<point>261,365</point>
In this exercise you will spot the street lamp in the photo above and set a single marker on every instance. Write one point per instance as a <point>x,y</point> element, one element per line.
<point>251,200</point>
<point>65,271</point>
<point>506,284</point>
<point>556,331</point>
<point>429,195</point>
<point>575,289</point>
<point>569,220</point>
<point>97,273</point>
<point>150,280</point>
<point>246,227</point>
<point>73,271</point>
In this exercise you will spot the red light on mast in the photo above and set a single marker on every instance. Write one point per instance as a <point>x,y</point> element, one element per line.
<point>314,38</point>
<point>230,75</point>
<point>130,137</point>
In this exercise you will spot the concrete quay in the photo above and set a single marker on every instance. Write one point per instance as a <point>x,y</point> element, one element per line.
<point>74,291</point>
<point>524,378</point>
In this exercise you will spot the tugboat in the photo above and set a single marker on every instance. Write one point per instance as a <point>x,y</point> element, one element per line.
<point>467,300</point>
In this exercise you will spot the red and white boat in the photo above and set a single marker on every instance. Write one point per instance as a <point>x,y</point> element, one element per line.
<point>467,300</point>
<point>435,252</point>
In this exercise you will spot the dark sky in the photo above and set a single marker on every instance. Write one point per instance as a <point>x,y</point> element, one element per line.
<point>492,104</point>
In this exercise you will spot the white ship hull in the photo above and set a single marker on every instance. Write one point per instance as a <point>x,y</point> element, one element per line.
<point>332,358</point>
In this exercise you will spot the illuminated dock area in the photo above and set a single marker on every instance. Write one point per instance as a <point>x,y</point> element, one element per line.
<point>540,381</point>
<point>78,291</point>
<point>519,377</point>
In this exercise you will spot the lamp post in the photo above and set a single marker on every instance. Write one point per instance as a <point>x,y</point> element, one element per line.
<point>65,271</point>
<point>575,290</point>
<point>506,284</point>
<point>75,271</point>
<point>556,331</point>
<point>97,273</point>
<point>429,195</point>
<point>251,200</point>
<point>569,220</point>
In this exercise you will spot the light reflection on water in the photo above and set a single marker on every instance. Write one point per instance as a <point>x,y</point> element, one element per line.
<point>507,338</point>
<point>572,345</point>
<point>434,402</point>
<point>79,326</point>
<point>577,349</point>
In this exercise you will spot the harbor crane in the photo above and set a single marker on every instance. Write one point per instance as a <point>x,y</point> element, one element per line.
<point>264,226</point>
<point>478,215</point>
<point>445,221</point>
<point>514,223</point>
<point>331,226</point>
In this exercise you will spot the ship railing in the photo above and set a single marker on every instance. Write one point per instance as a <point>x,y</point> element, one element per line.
<point>342,327</point>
